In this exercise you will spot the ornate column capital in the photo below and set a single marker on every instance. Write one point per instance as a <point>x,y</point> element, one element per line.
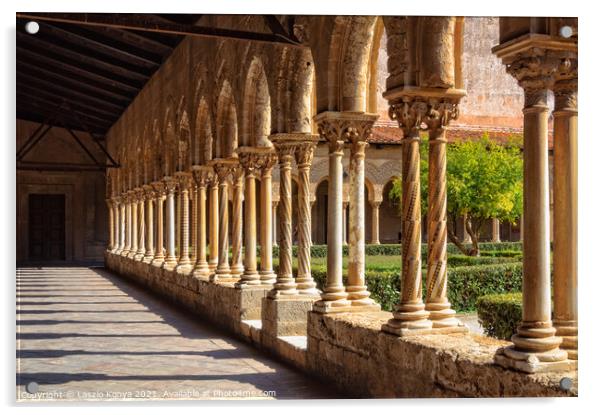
<point>149,192</point>
<point>184,180</point>
<point>565,87</point>
<point>256,160</point>
<point>171,184</point>
<point>159,188</point>
<point>345,126</point>
<point>226,169</point>
<point>202,175</point>
<point>375,204</point>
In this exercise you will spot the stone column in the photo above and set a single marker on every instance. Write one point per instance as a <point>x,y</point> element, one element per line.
<point>213,188</point>
<point>170,185</point>
<point>335,129</point>
<point>266,272</point>
<point>250,163</point>
<point>149,195</point>
<point>375,204</point>
<point>304,156</point>
<point>184,182</point>
<point>116,224</point>
<point>193,221</point>
<point>237,267</point>
<point>122,224</point>
<point>128,224</point>
<point>275,222</point>
<point>565,212</point>
<point>344,210</point>
<point>159,257</point>
<point>201,176</point>
<point>134,224</point>
<point>285,283</point>
<point>141,226</point>
<point>111,225</point>
<point>410,316</point>
<point>357,291</point>
<point>536,347</point>
<point>495,230</point>
<point>224,169</point>
<point>440,111</point>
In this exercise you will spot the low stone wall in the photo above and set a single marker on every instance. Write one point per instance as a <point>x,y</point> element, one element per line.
<point>221,303</point>
<point>349,349</point>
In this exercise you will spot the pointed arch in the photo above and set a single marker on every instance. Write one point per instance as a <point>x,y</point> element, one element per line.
<point>184,152</point>
<point>204,136</point>
<point>256,107</point>
<point>226,140</point>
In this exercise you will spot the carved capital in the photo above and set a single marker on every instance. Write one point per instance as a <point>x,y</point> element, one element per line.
<point>255,160</point>
<point>565,87</point>
<point>202,175</point>
<point>171,184</point>
<point>304,154</point>
<point>440,112</point>
<point>184,180</point>
<point>409,113</point>
<point>149,193</point>
<point>226,169</point>
<point>159,188</point>
<point>345,126</point>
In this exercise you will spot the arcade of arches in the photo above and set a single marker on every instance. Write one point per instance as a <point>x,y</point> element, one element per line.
<point>231,137</point>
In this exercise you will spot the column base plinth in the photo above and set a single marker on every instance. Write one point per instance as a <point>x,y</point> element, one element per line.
<point>158,262</point>
<point>551,361</point>
<point>237,270</point>
<point>148,258</point>
<point>267,277</point>
<point>125,252</point>
<point>249,279</point>
<point>568,332</point>
<point>184,268</point>
<point>139,256</point>
<point>170,264</point>
<point>278,292</point>
<point>332,306</point>
<point>442,316</point>
<point>409,319</point>
<point>131,254</point>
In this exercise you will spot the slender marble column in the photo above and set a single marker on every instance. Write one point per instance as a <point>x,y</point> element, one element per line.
<point>116,226</point>
<point>201,176</point>
<point>111,225</point>
<point>251,163</point>
<point>344,211</point>
<point>237,267</point>
<point>213,188</point>
<point>170,261</point>
<point>275,222</point>
<point>193,221</point>
<point>266,272</point>
<point>334,128</point>
<point>134,225</point>
<point>128,224</point>
<point>357,291</point>
<point>285,283</point>
<point>440,112</point>
<point>141,226</point>
<point>495,230</point>
<point>304,156</point>
<point>159,194</point>
<point>375,222</point>
<point>149,195</point>
<point>409,316</point>
<point>565,213</point>
<point>184,183</point>
<point>536,346</point>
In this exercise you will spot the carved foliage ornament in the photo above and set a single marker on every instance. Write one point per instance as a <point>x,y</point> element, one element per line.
<point>304,154</point>
<point>416,112</point>
<point>337,131</point>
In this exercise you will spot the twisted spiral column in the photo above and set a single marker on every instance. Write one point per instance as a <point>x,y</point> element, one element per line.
<point>266,272</point>
<point>201,177</point>
<point>237,267</point>
<point>159,194</point>
<point>285,283</point>
<point>304,156</point>
<point>224,170</point>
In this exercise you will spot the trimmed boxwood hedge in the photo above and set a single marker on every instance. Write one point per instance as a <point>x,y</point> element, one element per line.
<point>465,284</point>
<point>320,251</point>
<point>500,314</point>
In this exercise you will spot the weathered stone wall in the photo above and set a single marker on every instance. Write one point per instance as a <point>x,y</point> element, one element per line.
<point>86,231</point>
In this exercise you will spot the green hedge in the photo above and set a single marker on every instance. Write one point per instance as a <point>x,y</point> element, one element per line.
<point>500,314</point>
<point>465,284</point>
<point>320,251</point>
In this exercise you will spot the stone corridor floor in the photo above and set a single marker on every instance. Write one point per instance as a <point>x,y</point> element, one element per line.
<point>85,334</point>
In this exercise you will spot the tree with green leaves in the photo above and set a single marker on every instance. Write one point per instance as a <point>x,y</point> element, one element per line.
<point>484,181</point>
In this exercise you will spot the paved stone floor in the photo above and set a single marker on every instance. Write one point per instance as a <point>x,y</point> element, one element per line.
<point>84,334</point>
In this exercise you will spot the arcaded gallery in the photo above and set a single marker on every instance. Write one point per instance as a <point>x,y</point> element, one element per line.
<point>278,206</point>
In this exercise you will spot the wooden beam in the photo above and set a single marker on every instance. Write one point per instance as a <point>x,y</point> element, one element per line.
<point>43,46</point>
<point>122,21</point>
<point>109,80</point>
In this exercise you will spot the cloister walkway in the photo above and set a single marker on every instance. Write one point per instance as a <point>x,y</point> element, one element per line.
<point>83,333</point>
